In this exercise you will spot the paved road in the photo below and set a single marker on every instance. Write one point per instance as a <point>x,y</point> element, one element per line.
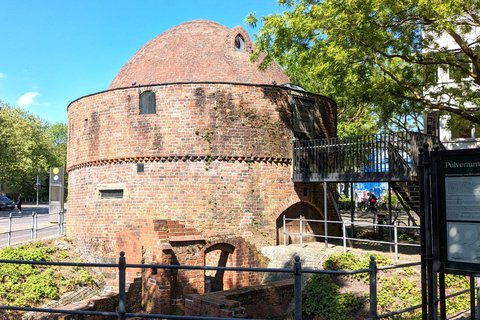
<point>21,224</point>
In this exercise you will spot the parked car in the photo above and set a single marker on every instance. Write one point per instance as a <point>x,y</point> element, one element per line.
<point>6,203</point>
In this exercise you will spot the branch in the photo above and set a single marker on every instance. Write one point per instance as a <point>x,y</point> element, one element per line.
<point>467,115</point>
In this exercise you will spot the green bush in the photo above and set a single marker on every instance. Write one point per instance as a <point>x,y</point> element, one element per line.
<point>344,202</point>
<point>349,261</point>
<point>408,236</point>
<point>342,261</point>
<point>30,285</point>
<point>397,289</point>
<point>322,299</point>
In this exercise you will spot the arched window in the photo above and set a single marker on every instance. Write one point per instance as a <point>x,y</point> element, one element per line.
<point>239,43</point>
<point>147,103</point>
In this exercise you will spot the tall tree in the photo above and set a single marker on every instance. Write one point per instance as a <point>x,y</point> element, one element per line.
<point>378,56</point>
<point>58,133</point>
<point>28,149</point>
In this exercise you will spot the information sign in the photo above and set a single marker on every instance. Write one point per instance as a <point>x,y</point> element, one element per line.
<point>458,178</point>
<point>56,194</point>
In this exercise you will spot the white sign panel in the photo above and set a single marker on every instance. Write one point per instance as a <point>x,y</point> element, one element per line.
<point>463,242</point>
<point>462,198</point>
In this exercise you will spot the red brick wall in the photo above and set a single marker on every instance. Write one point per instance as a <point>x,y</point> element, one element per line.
<point>216,156</point>
<point>216,165</point>
<point>259,302</point>
<point>165,289</point>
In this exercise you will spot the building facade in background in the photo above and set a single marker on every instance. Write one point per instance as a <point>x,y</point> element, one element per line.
<point>465,135</point>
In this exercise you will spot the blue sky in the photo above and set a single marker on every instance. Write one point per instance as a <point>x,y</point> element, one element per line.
<point>55,51</point>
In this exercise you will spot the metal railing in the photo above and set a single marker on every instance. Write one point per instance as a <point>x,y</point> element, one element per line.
<point>344,237</point>
<point>381,157</point>
<point>296,271</point>
<point>34,228</point>
<point>122,313</point>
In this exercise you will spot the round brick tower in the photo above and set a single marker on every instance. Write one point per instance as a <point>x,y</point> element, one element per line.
<point>186,158</point>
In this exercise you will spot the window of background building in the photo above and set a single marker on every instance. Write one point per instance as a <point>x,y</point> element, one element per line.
<point>147,103</point>
<point>455,73</point>
<point>431,73</point>
<point>462,129</point>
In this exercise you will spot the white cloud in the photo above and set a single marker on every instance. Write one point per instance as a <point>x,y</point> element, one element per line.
<point>2,75</point>
<point>27,99</point>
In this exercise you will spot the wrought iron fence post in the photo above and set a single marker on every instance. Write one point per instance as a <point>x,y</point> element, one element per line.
<point>373,288</point>
<point>9,238</point>
<point>344,231</point>
<point>121,287</point>
<point>297,272</point>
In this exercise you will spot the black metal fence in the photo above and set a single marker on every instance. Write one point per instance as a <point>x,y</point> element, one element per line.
<point>381,157</point>
<point>296,271</point>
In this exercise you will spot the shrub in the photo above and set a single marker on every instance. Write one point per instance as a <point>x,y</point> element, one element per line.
<point>342,261</point>
<point>397,289</point>
<point>30,285</point>
<point>322,299</point>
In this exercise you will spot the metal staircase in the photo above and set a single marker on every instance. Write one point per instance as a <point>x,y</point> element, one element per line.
<point>408,193</point>
<point>388,157</point>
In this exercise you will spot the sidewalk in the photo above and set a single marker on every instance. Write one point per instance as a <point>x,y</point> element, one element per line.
<point>27,210</point>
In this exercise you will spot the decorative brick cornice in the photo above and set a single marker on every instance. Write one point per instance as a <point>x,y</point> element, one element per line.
<point>184,158</point>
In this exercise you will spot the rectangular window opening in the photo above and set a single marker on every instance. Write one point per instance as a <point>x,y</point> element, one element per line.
<point>111,194</point>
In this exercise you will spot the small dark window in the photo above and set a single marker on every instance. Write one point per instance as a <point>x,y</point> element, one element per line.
<point>111,194</point>
<point>239,43</point>
<point>147,103</point>
<point>140,167</point>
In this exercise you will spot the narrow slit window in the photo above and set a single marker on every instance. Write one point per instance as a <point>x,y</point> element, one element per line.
<point>147,103</point>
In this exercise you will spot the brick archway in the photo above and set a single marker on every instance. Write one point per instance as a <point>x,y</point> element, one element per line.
<point>218,255</point>
<point>307,211</point>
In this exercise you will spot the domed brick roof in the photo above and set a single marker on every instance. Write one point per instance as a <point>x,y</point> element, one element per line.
<point>197,51</point>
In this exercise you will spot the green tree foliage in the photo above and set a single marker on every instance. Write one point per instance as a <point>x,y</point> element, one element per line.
<point>377,58</point>
<point>58,133</point>
<point>29,147</point>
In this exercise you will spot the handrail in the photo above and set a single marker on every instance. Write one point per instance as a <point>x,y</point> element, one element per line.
<point>395,243</point>
<point>381,157</point>
<point>296,271</point>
